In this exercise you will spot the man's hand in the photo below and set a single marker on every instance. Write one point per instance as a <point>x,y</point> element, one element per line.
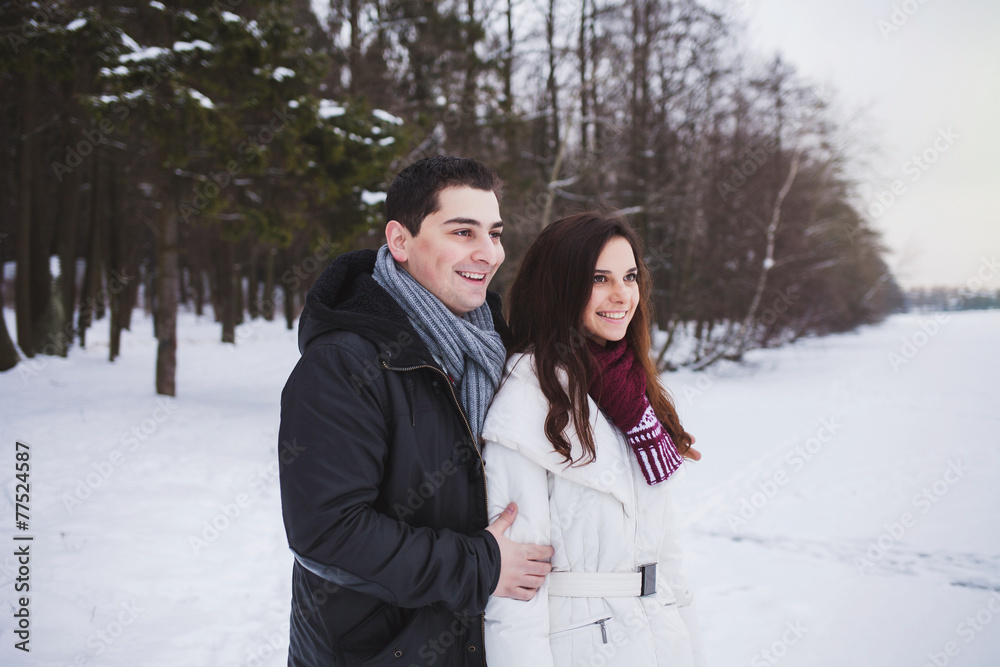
<point>522,566</point>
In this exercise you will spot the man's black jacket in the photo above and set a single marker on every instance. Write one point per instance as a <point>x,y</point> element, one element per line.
<point>383,491</point>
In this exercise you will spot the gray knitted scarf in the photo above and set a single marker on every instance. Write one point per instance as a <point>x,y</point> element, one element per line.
<point>469,346</point>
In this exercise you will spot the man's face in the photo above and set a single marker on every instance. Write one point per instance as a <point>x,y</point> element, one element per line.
<point>458,249</point>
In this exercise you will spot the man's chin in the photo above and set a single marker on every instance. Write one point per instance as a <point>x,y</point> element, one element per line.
<point>467,305</point>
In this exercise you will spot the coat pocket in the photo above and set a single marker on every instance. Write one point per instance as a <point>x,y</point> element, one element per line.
<point>589,625</point>
<point>432,635</point>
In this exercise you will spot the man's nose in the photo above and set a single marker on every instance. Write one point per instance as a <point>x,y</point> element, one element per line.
<point>486,250</point>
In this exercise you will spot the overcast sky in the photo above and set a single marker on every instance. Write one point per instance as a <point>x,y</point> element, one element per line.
<point>930,73</point>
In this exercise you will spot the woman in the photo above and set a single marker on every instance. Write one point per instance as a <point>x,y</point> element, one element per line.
<point>584,439</point>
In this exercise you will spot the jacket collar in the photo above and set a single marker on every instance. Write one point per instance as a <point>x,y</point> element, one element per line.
<point>516,420</point>
<point>346,298</point>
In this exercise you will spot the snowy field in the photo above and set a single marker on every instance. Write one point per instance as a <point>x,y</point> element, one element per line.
<point>845,511</point>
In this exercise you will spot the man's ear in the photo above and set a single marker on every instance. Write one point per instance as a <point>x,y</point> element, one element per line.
<point>398,237</point>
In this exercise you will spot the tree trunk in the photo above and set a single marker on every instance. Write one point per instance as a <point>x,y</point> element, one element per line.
<point>226,284</point>
<point>507,66</point>
<point>239,294</point>
<point>199,291</point>
<point>22,279</point>
<point>253,284</point>
<point>92,267</point>
<point>69,221</point>
<point>583,60</point>
<point>354,49</point>
<point>551,86</point>
<point>289,294</point>
<point>267,305</point>
<point>183,284</point>
<point>8,353</point>
<point>772,228</point>
<point>117,276</point>
<point>166,302</point>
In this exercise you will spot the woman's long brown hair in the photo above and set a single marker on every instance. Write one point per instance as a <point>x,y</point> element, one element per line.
<point>545,310</point>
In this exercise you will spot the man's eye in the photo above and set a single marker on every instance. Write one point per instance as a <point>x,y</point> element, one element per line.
<point>463,232</point>
<point>496,235</point>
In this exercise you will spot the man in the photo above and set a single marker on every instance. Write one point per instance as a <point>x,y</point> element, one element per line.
<point>382,482</point>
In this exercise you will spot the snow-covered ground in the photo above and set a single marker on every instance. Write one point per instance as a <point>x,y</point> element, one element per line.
<point>845,511</point>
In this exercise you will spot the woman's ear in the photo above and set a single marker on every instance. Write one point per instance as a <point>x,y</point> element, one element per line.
<point>397,236</point>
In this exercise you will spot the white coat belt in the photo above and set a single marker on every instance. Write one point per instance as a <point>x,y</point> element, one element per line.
<point>595,584</point>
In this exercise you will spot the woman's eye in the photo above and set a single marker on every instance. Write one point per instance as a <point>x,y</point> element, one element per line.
<point>632,276</point>
<point>599,279</point>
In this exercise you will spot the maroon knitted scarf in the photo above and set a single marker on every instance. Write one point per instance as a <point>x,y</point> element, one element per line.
<point>619,388</point>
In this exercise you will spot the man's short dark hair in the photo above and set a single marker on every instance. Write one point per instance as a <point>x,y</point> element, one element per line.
<point>413,194</point>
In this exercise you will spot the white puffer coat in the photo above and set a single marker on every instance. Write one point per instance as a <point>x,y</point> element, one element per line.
<point>601,517</point>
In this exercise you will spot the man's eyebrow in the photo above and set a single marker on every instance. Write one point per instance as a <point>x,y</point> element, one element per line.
<point>634,268</point>
<point>471,221</point>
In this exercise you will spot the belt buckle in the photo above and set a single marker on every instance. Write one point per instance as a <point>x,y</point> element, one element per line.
<point>648,572</point>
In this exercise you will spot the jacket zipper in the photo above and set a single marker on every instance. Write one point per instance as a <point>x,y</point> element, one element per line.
<point>482,465</point>
<point>635,532</point>
<point>465,420</point>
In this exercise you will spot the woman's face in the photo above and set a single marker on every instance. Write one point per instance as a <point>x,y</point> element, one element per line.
<point>614,295</point>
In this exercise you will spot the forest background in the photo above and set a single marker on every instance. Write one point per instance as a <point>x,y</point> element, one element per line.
<point>215,156</point>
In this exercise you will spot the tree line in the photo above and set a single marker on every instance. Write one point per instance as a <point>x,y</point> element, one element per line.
<point>174,154</point>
